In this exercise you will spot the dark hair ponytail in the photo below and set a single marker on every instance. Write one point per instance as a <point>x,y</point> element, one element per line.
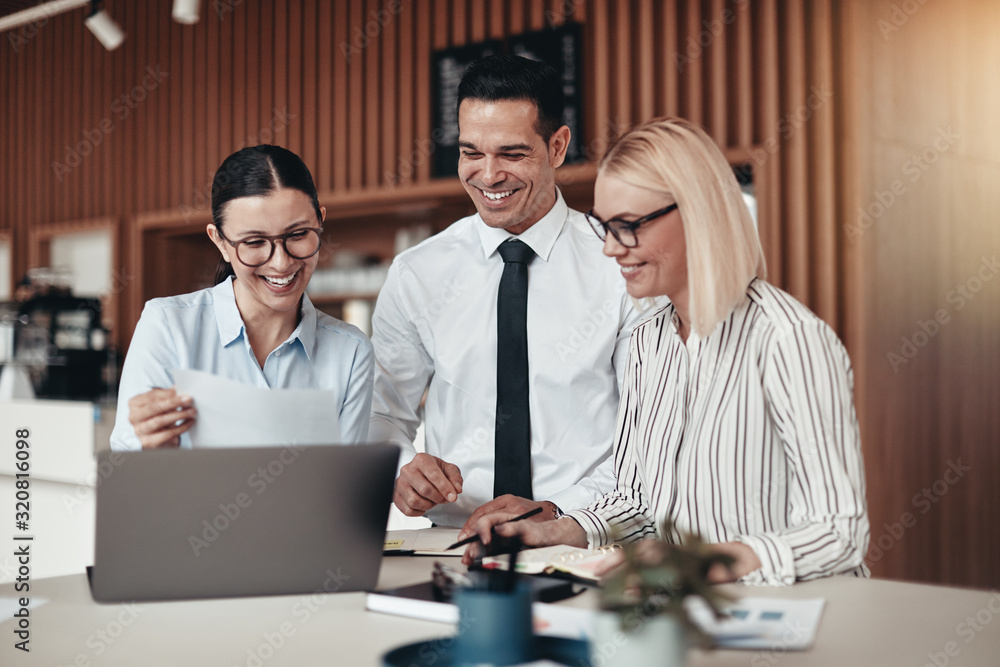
<point>253,172</point>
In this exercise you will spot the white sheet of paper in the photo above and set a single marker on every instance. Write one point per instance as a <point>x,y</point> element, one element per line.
<point>762,623</point>
<point>233,414</point>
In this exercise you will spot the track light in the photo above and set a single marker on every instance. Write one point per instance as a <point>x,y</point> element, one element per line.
<point>104,28</point>
<point>186,11</point>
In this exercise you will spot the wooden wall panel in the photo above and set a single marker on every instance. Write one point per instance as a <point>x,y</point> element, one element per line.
<point>422,91</point>
<point>340,34</point>
<point>794,176</point>
<point>400,165</point>
<point>665,34</point>
<point>739,73</point>
<point>818,113</point>
<point>346,84</point>
<point>370,112</point>
<point>768,159</point>
<point>921,217</point>
<point>715,72</point>
<point>622,91</point>
<point>273,48</point>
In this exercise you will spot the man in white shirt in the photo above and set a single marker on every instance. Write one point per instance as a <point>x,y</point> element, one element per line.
<point>435,326</point>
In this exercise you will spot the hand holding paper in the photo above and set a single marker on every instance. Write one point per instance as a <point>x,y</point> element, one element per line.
<point>233,414</point>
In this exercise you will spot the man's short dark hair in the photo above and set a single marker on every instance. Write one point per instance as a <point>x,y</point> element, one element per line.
<point>498,78</point>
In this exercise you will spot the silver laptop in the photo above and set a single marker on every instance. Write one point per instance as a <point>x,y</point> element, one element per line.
<point>207,523</point>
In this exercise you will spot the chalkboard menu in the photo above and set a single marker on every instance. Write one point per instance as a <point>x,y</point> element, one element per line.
<point>559,47</point>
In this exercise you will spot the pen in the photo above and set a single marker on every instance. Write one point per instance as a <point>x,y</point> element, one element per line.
<point>475,538</point>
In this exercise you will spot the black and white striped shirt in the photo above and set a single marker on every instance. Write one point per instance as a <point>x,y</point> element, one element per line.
<point>746,435</point>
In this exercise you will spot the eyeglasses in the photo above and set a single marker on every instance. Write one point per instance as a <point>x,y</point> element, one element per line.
<point>623,230</point>
<point>257,251</point>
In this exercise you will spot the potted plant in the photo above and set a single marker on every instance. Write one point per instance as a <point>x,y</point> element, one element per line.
<point>644,620</point>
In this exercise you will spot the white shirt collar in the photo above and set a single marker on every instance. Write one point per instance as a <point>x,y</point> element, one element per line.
<point>540,237</point>
<point>231,325</point>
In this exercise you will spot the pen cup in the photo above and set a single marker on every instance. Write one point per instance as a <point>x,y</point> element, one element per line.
<point>494,627</point>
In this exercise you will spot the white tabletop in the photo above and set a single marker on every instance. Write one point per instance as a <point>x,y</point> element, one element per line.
<point>872,622</point>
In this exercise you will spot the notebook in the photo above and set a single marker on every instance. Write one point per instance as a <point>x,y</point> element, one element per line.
<point>422,542</point>
<point>559,559</point>
<point>178,524</point>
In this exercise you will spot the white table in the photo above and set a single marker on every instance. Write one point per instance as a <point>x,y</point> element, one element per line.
<point>879,623</point>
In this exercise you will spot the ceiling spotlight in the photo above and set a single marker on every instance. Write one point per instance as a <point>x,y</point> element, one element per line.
<point>186,11</point>
<point>104,28</point>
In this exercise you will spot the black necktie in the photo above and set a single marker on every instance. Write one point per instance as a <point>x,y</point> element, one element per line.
<point>512,473</point>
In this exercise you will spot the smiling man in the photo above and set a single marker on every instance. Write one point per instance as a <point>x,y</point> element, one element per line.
<point>511,322</point>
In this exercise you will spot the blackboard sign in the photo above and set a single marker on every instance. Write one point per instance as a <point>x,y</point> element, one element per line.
<point>559,47</point>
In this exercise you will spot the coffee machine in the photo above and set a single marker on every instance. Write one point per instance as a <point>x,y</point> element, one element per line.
<point>60,340</point>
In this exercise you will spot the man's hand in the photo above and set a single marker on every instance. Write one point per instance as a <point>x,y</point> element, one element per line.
<point>508,506</point>
<point>532,533</point>
<point>159,416</point>
<point>424,482</point>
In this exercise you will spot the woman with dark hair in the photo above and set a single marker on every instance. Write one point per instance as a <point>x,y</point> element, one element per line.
<point>256,326</point>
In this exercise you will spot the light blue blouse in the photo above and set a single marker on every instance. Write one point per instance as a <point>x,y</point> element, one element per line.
<point>204,331</point>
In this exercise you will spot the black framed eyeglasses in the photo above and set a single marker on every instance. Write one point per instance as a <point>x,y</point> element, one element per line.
<point>255,251</point>
<point>623,230</point>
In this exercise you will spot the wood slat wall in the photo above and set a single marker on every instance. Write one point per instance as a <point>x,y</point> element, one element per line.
<point>922,161</point>
<point>346,85</point>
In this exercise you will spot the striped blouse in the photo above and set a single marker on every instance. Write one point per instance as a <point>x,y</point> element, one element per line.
<point>746,435</point>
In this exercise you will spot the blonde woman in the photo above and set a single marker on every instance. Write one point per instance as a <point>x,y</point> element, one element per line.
<point>736,421</point>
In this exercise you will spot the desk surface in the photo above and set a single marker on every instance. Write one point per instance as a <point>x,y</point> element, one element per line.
<point>865,622</point>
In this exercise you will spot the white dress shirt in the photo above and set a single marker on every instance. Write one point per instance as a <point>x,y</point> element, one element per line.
<point>747,435</point>
<point>204,331</point>
<point>435,331</point>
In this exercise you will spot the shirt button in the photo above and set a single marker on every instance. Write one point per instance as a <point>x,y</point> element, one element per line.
<point>278,353</point>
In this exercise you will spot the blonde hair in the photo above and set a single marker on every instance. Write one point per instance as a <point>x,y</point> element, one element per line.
<point>675,157</point>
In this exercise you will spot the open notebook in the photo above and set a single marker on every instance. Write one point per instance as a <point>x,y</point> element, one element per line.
<point>422,542</point>
<point>558,559</point>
